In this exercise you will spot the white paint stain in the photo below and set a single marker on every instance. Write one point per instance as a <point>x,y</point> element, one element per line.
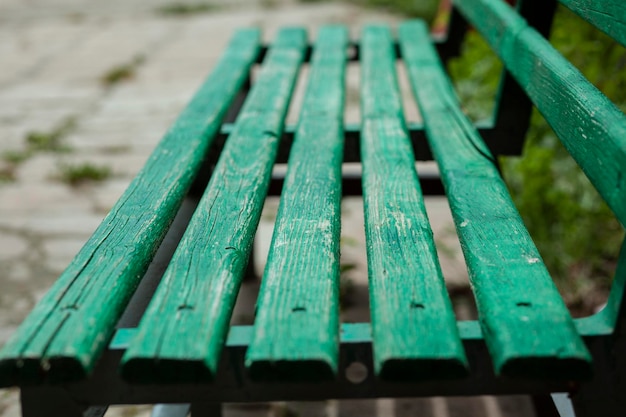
<point>465,223</point>
<point>533,260</point>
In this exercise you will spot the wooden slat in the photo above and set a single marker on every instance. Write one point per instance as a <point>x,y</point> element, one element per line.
<point>607,15</point>
<point>296,330</point>
<point>66,332</point>
<point>414,328</point>
<point>592,129</point>
<point>183,330</point>
<point>525,323</point>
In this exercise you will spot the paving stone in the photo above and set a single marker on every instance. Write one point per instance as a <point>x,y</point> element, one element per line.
<point>10,403</point>
<point>125,165</point>
<point>108,194</point>
<point>11,246</point>
<point>37,169</point>
<point>26,50</point>
<point>447,242</point>
<point>64,224</point>
<point>60,252</point>
<point>23,201</point>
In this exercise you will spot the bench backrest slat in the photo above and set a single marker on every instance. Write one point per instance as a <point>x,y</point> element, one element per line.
<point>73,322</point>
<point>296,330</point>
<point>525,323</point>
<point>408,297</point>
<point>607,15</point>
<point>182,333</point>
<point>591,127</point>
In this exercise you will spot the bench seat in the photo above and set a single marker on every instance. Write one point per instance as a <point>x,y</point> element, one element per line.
<point>184,348</point>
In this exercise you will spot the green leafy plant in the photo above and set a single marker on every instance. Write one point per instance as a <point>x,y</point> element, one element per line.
<point>122,72</point>
<point>50,140</point>
<point>185,9</point>
<point>425,9</point>
<point>7,175</point>
<point>78,174</point>
<point>36,141</point>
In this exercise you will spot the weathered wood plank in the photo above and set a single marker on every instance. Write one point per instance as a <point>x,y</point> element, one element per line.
<point>296,332</point>
<point>66,332</point>
<point>607,15</point>
<point>525,323</point>
<point>183,330</point>
<point>414,328</point>
<point>591,127</point>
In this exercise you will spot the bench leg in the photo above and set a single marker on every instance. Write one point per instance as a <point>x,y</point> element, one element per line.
<point>51,402</point>
<point>544,406</point>
<point>206,410</point>
<point>605,394</point>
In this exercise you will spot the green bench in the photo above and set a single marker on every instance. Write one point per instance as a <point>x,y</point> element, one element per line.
<point>73,355</point>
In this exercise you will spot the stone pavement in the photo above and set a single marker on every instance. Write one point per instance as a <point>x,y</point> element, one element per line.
<point>100,82</point>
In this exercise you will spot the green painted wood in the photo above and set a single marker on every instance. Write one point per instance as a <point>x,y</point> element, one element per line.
<point>296,332</point>
<point>526,325</point>
<point>183,330</point>
<point>414,328</point>
<point>607,15</point>
<point>66,332</point>
<point>591,127</point>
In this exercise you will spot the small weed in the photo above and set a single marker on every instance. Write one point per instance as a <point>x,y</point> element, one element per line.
<point>115,149</point>
<point>50,141</point>
<point>269,4</point>
<point>185,9</point>
<point>444,249</point>
<point>75,175</point>
<point>346,285</point>
<point>7,174</point>
<point>16,157</point>
<point>123,72</point>
<point>349,241</point>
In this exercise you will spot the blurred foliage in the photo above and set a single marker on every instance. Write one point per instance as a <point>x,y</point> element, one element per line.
<point>185,9</point>
<point>82,173</point>
<point>426,9</point>
<point>576,233</point>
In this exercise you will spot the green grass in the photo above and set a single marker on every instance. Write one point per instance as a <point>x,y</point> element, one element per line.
<point>78,174</point>
<point>7,175</point>
<point>16,157</point>
<point>425,9</point>
<point>185,9</point>
<point>50,141</point>
<point>122,72</point>
<point>35,142</point>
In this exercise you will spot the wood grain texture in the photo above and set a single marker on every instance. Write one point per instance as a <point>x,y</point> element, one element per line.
<point>296,331</point>
<point>183,330</point>
<point>66,332</point>
<point>526,325</point>
<point>414,328</point>
<point>607,15</point>
<point>591,127</point>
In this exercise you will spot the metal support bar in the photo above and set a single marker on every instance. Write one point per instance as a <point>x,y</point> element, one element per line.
<point>203,409</point>
<point>496,139</point>
<point>514,109</point>
<point>233,384</point>
<point>46,401</point>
